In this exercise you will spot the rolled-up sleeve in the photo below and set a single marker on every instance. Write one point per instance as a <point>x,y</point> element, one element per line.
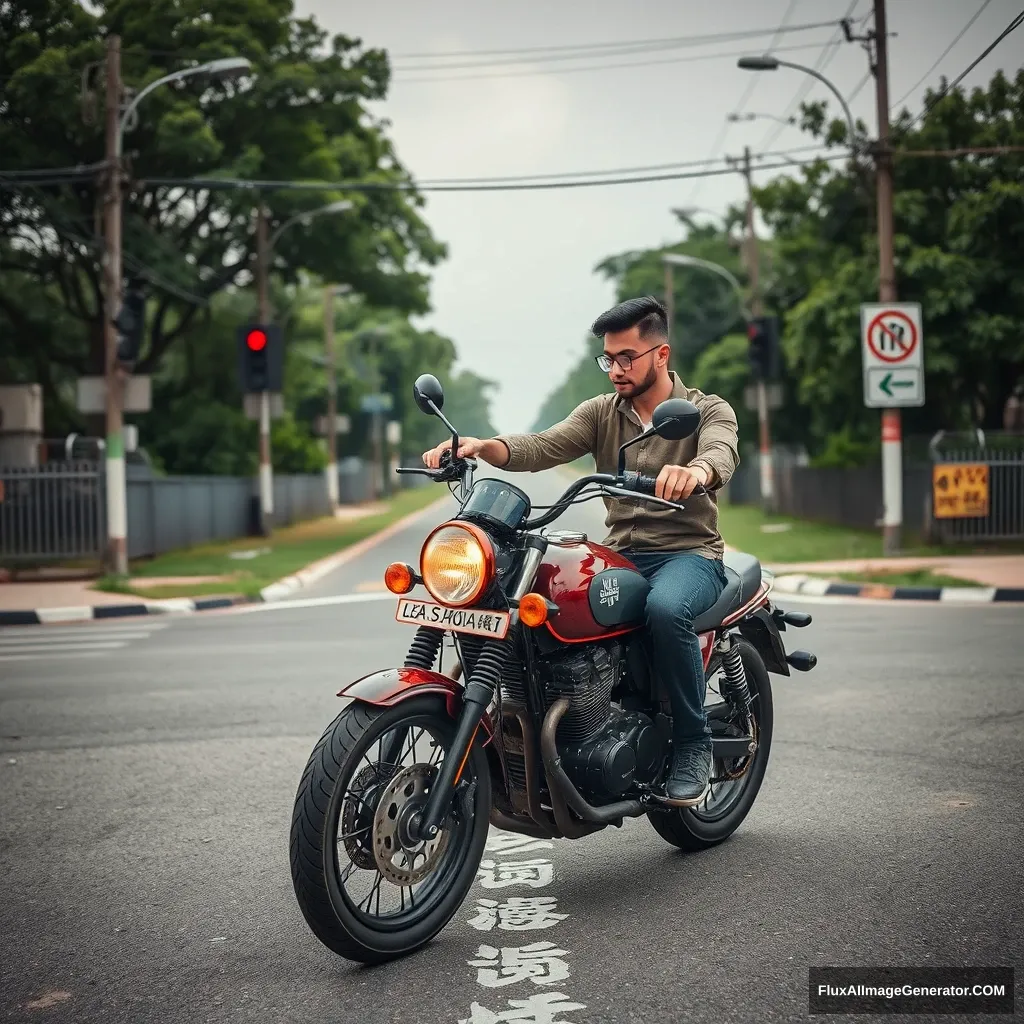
<point>718,441</point>
<point>572,438</point>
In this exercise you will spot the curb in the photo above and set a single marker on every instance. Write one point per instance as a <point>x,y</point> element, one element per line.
<point>812,585</point>
<point>276,591</point>
<point>84,613</point>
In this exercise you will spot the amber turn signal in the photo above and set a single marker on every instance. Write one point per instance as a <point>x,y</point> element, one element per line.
<point>533,610</point>
<point>399,578</point>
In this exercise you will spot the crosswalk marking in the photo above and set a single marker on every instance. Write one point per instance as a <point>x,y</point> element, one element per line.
<point>51,642</point>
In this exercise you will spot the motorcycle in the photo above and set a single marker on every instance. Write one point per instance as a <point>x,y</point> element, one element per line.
<point>551,723</point>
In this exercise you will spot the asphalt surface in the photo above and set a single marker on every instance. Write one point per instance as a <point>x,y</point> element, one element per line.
<point>146,790</point>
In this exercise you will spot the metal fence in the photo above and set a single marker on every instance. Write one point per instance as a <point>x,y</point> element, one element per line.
<point>1003,455</point>
<point>850,497</point>
<point>53,511</point>
<point>56,512</point>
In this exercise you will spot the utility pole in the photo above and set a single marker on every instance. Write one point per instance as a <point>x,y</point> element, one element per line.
<point>116,488</point>
<point>892,443</point>
<point>670,299</point>
<point>757,309</point>
<point>332,411</point>
<point>263,315</point>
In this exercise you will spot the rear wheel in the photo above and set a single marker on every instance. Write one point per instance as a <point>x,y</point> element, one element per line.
<point>367,888</point>
<point>734,783</point>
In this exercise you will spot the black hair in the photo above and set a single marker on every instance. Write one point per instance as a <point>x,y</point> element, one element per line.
<point>647,314</point>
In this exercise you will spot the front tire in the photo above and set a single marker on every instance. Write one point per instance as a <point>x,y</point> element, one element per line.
<point>341,788</point>
<point>702,826</point>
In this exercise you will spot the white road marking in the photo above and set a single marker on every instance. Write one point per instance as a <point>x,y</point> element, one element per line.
<point>38,649</point>
<point>309,602</point>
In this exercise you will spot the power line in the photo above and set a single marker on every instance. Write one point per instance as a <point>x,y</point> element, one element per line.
<point>1015,22</point>
<point>826,57</point>
<point>528,72</point>
<point>959,36</point>
<point>660,40</point>
<point>859,87</point>
<point>380,186</point>
<point>716,147</point>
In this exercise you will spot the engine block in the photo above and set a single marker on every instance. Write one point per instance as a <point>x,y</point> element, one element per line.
<point>586,678</point>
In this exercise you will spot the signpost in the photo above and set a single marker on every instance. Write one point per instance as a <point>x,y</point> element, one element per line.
<point>892,361</point>
<point>891,351</point>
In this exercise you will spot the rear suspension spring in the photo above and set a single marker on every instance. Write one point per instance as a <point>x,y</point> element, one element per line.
<point>734,683</point>
<point>424,647</point>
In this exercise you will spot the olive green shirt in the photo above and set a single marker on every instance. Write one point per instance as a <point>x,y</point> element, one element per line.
<point>599,426</point>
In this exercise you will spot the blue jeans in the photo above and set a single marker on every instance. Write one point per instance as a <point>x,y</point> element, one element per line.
<point>683,586</point>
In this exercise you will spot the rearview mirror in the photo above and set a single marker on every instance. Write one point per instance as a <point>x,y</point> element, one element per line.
<point>428,389</point>
<point>675,419</point>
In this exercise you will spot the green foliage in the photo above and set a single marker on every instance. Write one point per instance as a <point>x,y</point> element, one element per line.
<point>302,115</point>
<point>959,247</point>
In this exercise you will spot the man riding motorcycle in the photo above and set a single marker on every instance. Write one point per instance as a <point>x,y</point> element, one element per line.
<point>679,552</point>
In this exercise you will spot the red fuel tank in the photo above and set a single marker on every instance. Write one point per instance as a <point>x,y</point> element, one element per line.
<point>599,593</point>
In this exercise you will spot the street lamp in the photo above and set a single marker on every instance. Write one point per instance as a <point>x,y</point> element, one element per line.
<point>767,470</point>
<point>224,69</point>
<point>307,215</point>
<point>682,260</point>
<point>116,488</point>
<point>264,247</point>
<point>766,62</point>
<point>754,116</point>
<point>331,424</point>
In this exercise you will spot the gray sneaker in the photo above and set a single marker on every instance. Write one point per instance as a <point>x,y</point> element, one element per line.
<point>690,779</point>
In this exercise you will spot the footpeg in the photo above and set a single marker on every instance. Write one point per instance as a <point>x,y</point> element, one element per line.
<point>802,661</point>
<point>798,619</point>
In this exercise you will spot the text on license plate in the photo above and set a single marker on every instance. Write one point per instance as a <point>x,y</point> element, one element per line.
<point>459,620</point>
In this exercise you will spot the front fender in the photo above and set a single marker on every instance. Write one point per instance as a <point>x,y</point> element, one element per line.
<point>391,685</point>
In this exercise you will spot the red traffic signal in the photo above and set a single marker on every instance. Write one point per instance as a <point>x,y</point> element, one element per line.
<point>256,340</point>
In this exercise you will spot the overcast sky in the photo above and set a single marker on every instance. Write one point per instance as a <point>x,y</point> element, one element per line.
<point>519,291</point>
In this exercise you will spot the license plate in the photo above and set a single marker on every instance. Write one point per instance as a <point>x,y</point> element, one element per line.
<point>459,620</point>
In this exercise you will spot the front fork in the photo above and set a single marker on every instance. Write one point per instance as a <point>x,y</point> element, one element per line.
<point>477,697</point>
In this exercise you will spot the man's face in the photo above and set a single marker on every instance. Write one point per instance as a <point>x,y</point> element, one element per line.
<point>643,373</point>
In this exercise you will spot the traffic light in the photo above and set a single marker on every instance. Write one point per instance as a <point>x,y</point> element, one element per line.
<point>763,347</point>
<point>260,358</point>
<point>130,323</point>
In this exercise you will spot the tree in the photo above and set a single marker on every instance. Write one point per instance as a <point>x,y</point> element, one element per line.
<point>958,246</point>
<point>303,115</point>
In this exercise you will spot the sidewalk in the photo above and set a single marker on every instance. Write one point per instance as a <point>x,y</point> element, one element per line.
<point>985,570</point>
<point>73,599</point>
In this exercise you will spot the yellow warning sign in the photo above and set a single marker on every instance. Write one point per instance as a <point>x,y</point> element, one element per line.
<point>960,490</point>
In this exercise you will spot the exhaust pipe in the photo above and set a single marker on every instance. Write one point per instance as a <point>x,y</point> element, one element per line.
<point>557,779</point>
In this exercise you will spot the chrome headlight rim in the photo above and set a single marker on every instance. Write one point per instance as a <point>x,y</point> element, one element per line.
<point>487,549</point>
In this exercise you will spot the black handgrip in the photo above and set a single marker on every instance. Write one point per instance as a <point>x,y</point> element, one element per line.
<point>639,482</point>
<point>647,484</point>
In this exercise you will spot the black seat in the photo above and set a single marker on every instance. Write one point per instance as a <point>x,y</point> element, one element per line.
<point>743,573</point>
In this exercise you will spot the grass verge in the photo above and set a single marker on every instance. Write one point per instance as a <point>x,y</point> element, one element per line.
<point>284,552</point>
<point>747,528</point>
<point>912,578</point>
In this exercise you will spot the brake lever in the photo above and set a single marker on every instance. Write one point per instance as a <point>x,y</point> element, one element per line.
<point>617,492</point>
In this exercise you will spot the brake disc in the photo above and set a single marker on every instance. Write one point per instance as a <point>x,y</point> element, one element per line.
<point>357,814</point>
<point>400,858</point>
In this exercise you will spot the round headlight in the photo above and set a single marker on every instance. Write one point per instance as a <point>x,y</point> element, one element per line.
<point>457,563</point>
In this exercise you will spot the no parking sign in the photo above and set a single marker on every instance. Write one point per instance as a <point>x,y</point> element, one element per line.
<point>891,348</point>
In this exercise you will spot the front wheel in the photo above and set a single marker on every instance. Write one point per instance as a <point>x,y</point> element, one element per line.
<point>367,889</point>
<point>735,783</point>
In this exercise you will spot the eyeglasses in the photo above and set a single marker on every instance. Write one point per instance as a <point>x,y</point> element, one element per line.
<point>626,362</point>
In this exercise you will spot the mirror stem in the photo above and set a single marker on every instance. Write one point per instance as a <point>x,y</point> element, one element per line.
<point>455,434</point>
<point>622,451</point>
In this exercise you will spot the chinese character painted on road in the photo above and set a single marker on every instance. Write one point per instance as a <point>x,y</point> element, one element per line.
<point>534,873</point>
<point>518,914</point>
<point>512,842</point>
<point>540,962</point>
<point>542,1008</point>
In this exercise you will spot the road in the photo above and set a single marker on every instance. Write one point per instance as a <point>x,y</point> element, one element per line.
<point>147,790</point>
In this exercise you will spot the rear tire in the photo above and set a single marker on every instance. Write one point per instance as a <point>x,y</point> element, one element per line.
<point>686,827</point>
<point>315,852</point>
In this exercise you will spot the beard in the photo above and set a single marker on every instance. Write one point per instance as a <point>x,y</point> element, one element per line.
<point>636,390</point>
